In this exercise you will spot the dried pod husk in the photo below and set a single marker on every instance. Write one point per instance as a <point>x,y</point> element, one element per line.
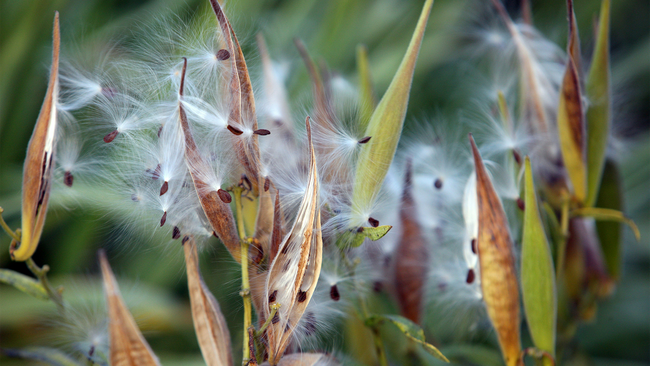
<point>386,123</point>
<point>295,270</point>
<point>39,161</point>
<point>216,210</point>
<point>209,324</point>
<point>497,261</point>
<point>411,256</point>
<point>242,101</point>
<point>128,346</point>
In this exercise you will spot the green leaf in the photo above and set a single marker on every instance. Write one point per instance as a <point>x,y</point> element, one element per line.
<point>385,126</point>
<point>357,236</point>
<point>367,99</point>
<point>49,356</point>
<point>23,283</point>
<point>411,330</point>
<point>606,214</point>
<point>609,233</point>
<point>537,274</point>
<point>598,92</point>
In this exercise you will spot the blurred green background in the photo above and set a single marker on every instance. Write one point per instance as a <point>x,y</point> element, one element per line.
<point>620,333</point>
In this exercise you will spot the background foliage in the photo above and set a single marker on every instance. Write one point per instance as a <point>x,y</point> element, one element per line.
<point>620,332</point>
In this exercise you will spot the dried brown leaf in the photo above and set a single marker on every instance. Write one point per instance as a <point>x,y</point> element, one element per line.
<point>295,269</point>
<point>127,345</point>
<point>39,161</point>
<point>498,274</point>
<point>209,324</point>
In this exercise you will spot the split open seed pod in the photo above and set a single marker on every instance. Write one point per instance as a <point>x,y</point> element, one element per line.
<point>39,163</point>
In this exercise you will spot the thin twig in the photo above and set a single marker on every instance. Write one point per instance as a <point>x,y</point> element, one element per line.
<point>41,274</point>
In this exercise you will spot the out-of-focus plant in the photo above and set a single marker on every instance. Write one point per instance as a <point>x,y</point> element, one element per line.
<point>181,140</point>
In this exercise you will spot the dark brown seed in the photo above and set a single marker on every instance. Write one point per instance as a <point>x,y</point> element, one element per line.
<point>302,296</point>
<point>262,132</point>
<point>273,296</point>
<point>110,137</point>
<point>517,156</point>
<point>334,293</point>
<point>377,286</point>
<point>91,351</point>
<point>185,239</point>
<point>235,130</point>
<point>470,276</point>
<point>373,222</point>
<point>267,184</point>
<point>276,318</point>
<point>164,188</point>
<point>438,183</point>
<point>223,55</point>
<point>214,233</point>
<point>225,196</point>
<point>68,179</point>
<point>521,204</point>
<point>364,140</point>
<point>159,130</point>
<point>163,219</point>
<point>474,249</point>
<point>176,233</point>
<point>360,229</point>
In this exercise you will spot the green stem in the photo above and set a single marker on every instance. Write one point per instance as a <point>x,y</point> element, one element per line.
<point>274,309</point>
<point>7,229</point>
<point>245,287</point>
<point>41,274</point>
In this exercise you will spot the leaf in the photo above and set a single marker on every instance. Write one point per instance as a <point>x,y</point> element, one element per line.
<point>209,324</point>
<point>295,270</point>
<point>39,161</point>
<point>606,214</point>
<point>127,345</point>
<point>358,235</point>
<point>610,233</point>
<point>385,126</point>
<point>574,38</point>
<point>411,256</point>
<point>497,263</point>
<point>216,210</point>
<point>23,283</point>
<point>537,274</point>
<point>598,91</point>
<point>367,100</point>
<point>50,356</point>
<point>411,330</point>
<point>571,130</point>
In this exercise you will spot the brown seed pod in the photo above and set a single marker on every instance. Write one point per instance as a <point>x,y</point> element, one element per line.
<point>498,274</point>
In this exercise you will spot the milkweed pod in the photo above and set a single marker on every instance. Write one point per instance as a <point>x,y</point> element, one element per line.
<point>215,208</point>
<point>209,324</point>
<point>295,270</point>
<point>496,258</point>
<point>128,346</point>
<point>38,167</point>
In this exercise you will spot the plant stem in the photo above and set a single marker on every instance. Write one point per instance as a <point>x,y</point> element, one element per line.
<point>41,274</point>
<point>274,309</point>
<point>245,284</point>
<point>561,250</point>
<point>7,229</point>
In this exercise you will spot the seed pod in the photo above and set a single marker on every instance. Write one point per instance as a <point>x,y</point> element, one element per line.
<point>411,256</point>
<point>216,210</point>
<point>209,324</point>
<point>295,270</point>
<point>37,170</point>
<point>496,258</point>
<point>128,346</point>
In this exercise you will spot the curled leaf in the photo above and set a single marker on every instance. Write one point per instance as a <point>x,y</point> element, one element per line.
<point>537,273</point>
<point>23,283</point>
<point>38,167</point>
<point>496,258</point>
<point>411,330</point>
<point>386,123</point>
<point>358,235</point>
<point>411,257</point>
<point>599,92</point>
<point>295,270</point>
<point>212,201</point>
<point>128,346</point>
<point>209,324</point>
<point>606,214</point>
